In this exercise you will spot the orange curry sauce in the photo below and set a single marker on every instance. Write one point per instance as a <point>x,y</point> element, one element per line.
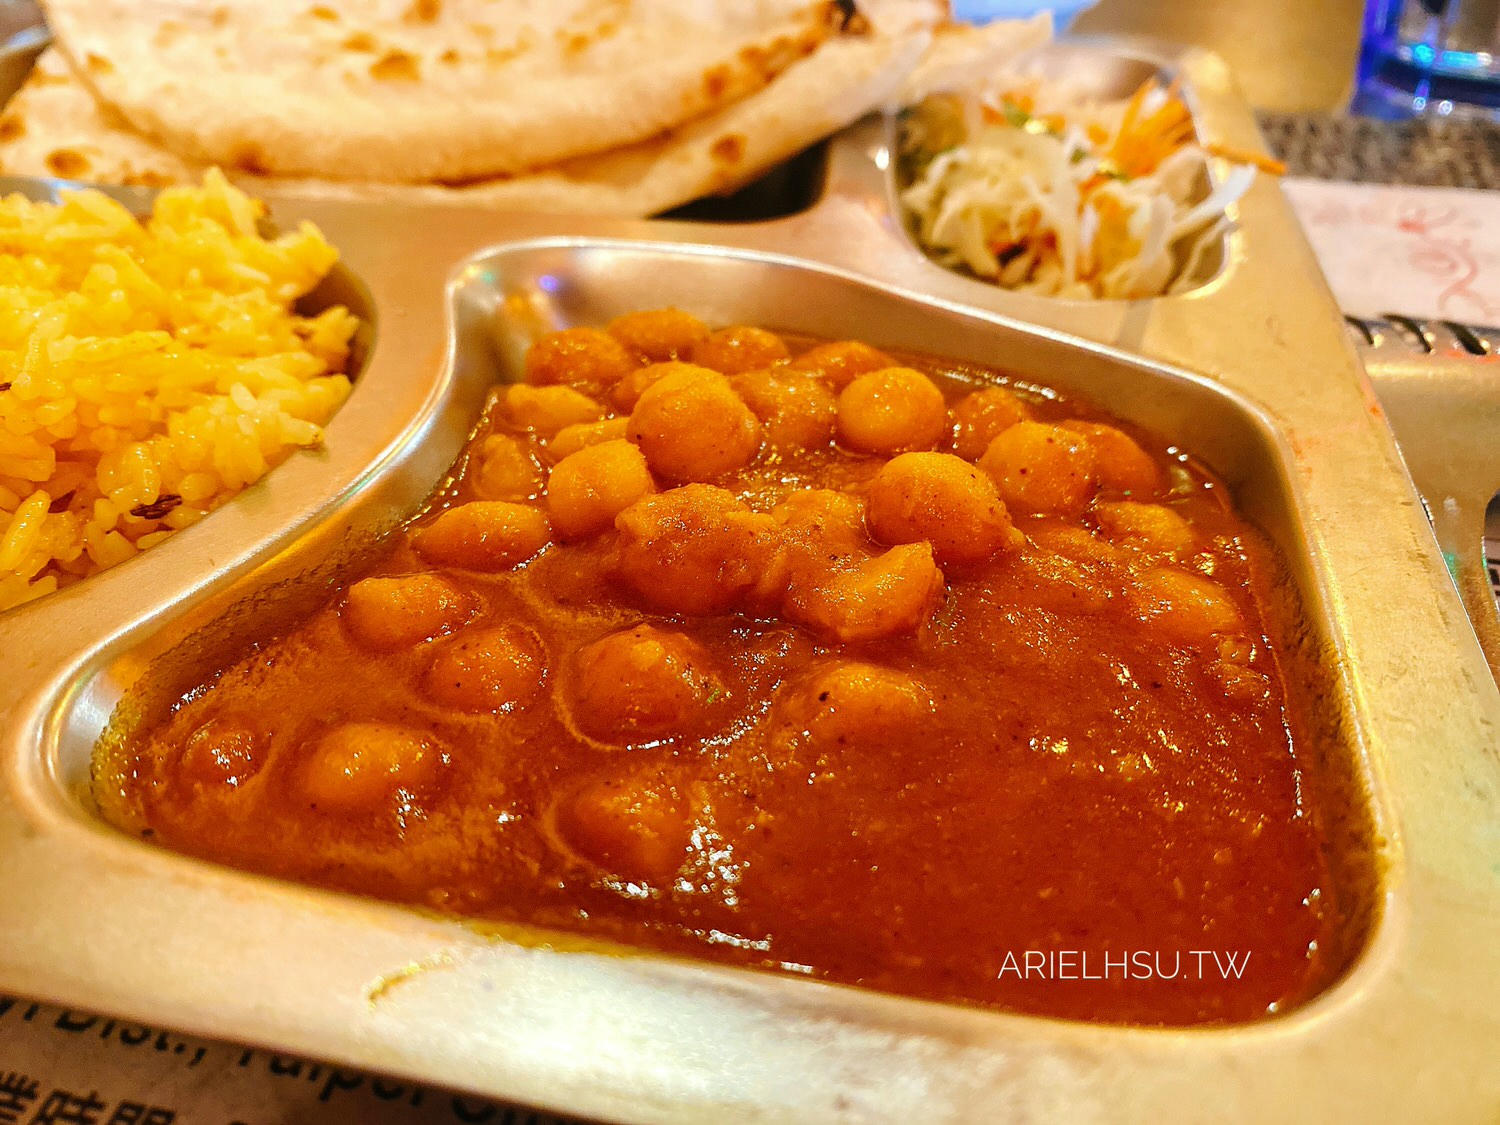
<point>1002,728</point>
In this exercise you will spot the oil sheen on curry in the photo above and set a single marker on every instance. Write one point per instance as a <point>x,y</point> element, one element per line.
<point>796,655</point>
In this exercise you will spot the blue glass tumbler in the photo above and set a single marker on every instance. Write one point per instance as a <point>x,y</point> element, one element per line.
<point>1429,57</point>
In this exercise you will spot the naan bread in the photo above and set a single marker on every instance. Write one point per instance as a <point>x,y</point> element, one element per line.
<point>410,91</point>
<point>54,127</point>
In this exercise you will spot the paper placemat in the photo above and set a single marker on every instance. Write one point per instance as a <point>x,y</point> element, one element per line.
<point>1419,251</point>
<point>60,1067</point>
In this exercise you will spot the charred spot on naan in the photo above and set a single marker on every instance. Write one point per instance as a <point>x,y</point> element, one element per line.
<point>110,116</point>
<point>729,149</point>
<point>396,65</point>
<point>423,11</point>
<point>847,19</point>
<point>12,127</point>
<point>97,64</point>
<point>250,157</point>
<point>323,12</point>
<point>361,41</point>
<point>147,179</point>
<point>716,80</point>
<point>499,56</point>
<point>765,63</point>
<point>67,164</point>
<point>576,42</point>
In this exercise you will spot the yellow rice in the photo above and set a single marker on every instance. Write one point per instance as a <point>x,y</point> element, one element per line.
<point>149,371</point>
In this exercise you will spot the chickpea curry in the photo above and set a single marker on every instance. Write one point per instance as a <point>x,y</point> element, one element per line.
<point>797,655</point>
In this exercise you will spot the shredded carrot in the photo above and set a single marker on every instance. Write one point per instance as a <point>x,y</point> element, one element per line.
<point>1267,164</point>
<point>1143,143</point>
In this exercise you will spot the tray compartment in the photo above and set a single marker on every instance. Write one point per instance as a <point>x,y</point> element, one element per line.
<point>1095,70</point>
<point>340,286</point>
<point>502,299</point>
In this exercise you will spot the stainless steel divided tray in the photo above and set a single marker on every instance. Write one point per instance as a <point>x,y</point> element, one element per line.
<point>1252,372</point>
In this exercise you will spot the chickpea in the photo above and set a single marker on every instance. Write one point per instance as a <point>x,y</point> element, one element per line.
<point>890,411</point>
<point>697,549</point>
<point>634,828</point>
<point>643,682</point>
<point>884,596</point>
<point>659,334</point>
<point>627,392</point>
<point>546,410</point>
<point>502,468</point>
<point>588,489</point>
<point>796,410</point>
<point>1041,468</point>
<point>824,519</point>
<point>224,753</point>
<point>358,764</point>
<point>1236,650</point>
<point>582,356</point>
<point>857,703</point>
<point>944,500</point>
<point>1239,681</point>
<point>842,361</point>
<point>1122,465</point>
<point>822,535</point>
<point>1240,684</point>
<point>1076,543</point>
<point>693,427</point>
<point>1060,584</point>
<point>740,348</point>
<point>483,535</point>
<point>1184,607</point>
<point>496,669</point>
<point>1147,527</point>
<point>980,417</point>
<point>390,613</point>
<point>581,435</point>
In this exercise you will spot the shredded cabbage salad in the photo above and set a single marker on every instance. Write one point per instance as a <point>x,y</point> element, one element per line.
<point>1044,192</point>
